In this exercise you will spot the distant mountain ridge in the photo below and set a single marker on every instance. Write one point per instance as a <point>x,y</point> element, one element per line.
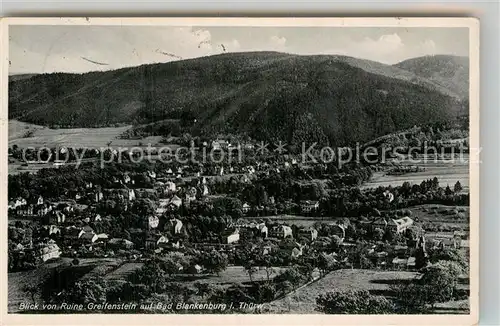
<point>265,95</point>
<point>450,72</point>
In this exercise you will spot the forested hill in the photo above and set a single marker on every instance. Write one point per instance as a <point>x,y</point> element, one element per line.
<point>265,95</point>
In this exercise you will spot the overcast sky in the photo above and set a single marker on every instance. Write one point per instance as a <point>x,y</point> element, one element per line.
<point>38,49</point>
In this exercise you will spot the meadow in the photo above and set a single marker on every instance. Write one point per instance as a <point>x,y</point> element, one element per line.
<point>25,135</point>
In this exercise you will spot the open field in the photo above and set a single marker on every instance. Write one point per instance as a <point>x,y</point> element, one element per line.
<point>238,274</point>
<point>447,172</point>
<point>303,301</point>
<point>17,167</point>
<point>73,137</point>
<point>122,272</point>
<point>43,136</point>
<point>29,135</point>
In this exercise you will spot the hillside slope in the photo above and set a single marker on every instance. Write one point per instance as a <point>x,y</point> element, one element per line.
<point>451,72</point>
<point>265,95</point>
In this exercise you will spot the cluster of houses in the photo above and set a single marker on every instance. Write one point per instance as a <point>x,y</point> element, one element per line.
<point>172,189</point>
<point>224,144</point>
<point>58,229</point>
<point>396,225</point>
<point>56,226</point>
<point>170,184</point>
<point>48,250</point>
<point>62,237</point>
<point>35,207</point>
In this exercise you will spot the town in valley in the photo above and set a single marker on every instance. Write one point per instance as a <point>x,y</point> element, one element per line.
<point>240,182</point>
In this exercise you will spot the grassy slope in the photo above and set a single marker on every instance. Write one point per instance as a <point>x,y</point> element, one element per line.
<point>18,280</point>
<point>303,301</point>
<point>316,97</point>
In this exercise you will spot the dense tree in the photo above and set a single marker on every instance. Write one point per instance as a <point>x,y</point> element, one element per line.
<point>205,289</point>
<point>448,254</point>
<point>267,262</point>
<point>128,292</point>
<point>335,243</point>
<point>144,207</point>
<point>438,283</point>
<point>251,268</point>
<point>325,263</point>
<point>266,291</point>
<point>293,275</point>
<point>171,266</point>
<point>89,290</point>
<point>32,290</point>
<point>151,274</point>
<point>214,262</point>
<point>353,302</point>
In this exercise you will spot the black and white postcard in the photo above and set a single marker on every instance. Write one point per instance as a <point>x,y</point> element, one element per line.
<point>298,171</point>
